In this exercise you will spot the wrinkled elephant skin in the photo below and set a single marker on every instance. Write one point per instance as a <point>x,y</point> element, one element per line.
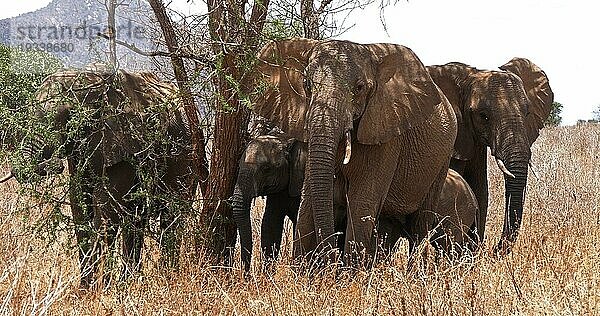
<point>380,100</point>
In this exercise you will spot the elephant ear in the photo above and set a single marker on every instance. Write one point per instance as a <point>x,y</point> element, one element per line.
<point>538,92</point>
<point>134,97</point>
<point>453,79</point>
<point>281,97</point>
<point>297,162</point>
<point>144,91</point>
<point>404,95</point>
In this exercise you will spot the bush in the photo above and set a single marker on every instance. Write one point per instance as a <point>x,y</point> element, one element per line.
<point>21,73</point>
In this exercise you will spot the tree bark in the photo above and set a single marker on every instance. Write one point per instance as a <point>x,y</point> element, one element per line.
<point>236,41</point>
<point>181,76</point>
<point>111,6</point>
<point>310,19</point>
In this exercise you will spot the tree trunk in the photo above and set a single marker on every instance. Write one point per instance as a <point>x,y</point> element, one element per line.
<point>310,19</point>
<point>111,6</point>
<point>228,145</point>
<point>198,140</point>
<point>235,40</point>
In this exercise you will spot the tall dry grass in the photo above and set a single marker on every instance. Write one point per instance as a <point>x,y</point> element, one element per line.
<point>554,268</point>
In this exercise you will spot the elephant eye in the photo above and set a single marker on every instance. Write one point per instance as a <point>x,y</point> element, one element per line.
<point>267,168</point>
<point>484,117</point>
<point>307,85</point>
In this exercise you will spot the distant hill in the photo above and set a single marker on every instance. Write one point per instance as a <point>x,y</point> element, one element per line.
<point>68,29</point>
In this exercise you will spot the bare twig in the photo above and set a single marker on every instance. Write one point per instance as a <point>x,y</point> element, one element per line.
<point>203,60</point>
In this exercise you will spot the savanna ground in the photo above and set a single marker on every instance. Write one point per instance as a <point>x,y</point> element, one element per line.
<point>554,268</point>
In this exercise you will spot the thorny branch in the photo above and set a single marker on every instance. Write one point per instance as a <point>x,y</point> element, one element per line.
<point>203,60</point>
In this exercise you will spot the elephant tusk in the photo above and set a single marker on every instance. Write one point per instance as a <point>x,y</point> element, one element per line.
<point>533,171</point>
<point>348,152</point>
<point>9,175</point>
<point>503,168</point>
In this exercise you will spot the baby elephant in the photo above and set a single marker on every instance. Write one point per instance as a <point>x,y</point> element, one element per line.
<point>456,214</point>
<point>273,166</point>
<point>457,211</point>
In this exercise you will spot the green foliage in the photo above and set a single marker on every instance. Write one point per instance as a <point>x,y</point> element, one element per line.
<point>123,130</point>
<point>281,28</point>
<point>21,73</point>
<point>596,114</point>
<point>554,118</point>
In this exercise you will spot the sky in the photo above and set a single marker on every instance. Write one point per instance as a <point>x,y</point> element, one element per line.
<point>561,37</point>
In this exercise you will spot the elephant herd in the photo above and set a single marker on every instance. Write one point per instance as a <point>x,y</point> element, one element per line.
<point>379,132</point>
<point>375,147</point>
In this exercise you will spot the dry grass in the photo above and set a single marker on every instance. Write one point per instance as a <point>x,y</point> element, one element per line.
<point>554,269</point>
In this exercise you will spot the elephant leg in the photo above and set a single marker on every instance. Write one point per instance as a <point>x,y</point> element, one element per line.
<point>424,220</point>
<point>475,173</point>
<point>272,225</point>
<point>369,176</point>
<point>305,239</point>
<point>340,209</point>
<point>133,240</point>
<point>180,183</point>
<point>292,210</point>
<point>80,196</point>
<point>105,229</point>
<point>171,226</point>
<point>359,243</point>
<point>86,239</point>
<point>293,206</point>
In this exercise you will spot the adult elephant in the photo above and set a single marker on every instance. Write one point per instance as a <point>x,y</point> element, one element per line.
<point>395,128</point>
<point>503,110</point>
<point>273,166</point>
<point>128,147</point>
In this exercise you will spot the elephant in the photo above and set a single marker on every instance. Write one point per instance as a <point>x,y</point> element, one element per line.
<point>372,113</point>
<point>273,166</point>
<point>456,212</point>
<point>454,218</point>
<point>503,110</point>
<point>99,120</point>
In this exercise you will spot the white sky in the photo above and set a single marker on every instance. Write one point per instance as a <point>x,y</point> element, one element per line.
<point>562,37</point>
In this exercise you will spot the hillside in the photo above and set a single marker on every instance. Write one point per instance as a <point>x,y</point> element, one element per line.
<point>68,29</point>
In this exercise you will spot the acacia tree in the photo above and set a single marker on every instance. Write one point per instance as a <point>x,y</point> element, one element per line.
<point>554,119</point>
<point>183,82</point>
<point>236,32</point>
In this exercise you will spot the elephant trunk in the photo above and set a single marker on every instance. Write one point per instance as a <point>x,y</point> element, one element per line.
<point>515,158</point>
<point>514,199</point>
<point>42,156</point>
<point>322,150</point>
<point>241,201</point>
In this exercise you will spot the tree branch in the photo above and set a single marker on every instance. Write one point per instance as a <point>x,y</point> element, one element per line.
<point>198,140</point>
<point>324,5</point>
<point>205,61</point>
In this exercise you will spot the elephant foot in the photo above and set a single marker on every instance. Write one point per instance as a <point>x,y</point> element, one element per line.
<point>320,263</point>
<point>269,267</point>
<point>503,248</point>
